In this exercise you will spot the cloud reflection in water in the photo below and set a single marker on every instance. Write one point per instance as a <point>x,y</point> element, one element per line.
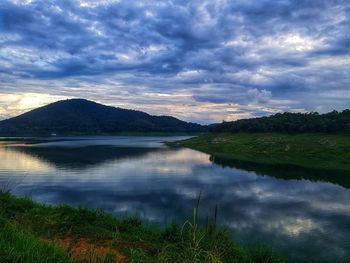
<point>300,217</point>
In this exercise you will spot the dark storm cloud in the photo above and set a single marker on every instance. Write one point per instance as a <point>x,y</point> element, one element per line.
<point>267,53</point>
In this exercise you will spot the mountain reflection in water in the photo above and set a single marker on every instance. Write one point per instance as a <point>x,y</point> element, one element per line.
<point>300,212</point>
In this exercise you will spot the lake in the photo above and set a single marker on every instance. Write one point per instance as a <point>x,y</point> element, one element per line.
<point>302,213</point>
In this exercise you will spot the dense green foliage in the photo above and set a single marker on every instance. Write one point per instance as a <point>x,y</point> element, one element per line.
<point>78,116</point>
<point>312,150</point>
<point>29,223</point>
<point>290,122</point>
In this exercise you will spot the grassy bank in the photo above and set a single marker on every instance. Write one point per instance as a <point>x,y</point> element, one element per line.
<point>311,150</point>
<point>31,232</point>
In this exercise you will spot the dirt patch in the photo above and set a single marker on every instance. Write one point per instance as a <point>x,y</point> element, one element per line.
<point>86,250</point>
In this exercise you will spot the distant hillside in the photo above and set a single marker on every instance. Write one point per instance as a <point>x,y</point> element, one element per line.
<point>290,122</point>
<point>79,116</point>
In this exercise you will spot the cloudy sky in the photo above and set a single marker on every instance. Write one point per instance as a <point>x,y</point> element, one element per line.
<point>201,61</point>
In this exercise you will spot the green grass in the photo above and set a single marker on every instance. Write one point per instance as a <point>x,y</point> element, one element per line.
<point>310,150</point>
<point>33,232</point>
<point>18,245</point>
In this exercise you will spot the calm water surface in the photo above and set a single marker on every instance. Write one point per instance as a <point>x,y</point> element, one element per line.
<point>304,214</point>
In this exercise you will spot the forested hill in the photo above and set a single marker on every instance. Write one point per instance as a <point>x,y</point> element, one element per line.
<point>79,116</point>
<point>290,122</point>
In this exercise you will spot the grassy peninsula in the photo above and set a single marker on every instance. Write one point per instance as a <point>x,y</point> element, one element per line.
<point>311,150</point>
<point>31,232</point>
<point>309,140</point>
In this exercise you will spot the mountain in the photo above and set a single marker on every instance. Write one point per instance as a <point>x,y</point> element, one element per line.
<point>80,116</point>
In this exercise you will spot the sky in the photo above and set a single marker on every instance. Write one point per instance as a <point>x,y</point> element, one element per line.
<point>201,61</point>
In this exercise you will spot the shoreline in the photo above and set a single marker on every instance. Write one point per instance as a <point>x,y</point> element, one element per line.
<point>32,232</point>
<point>309,150</point>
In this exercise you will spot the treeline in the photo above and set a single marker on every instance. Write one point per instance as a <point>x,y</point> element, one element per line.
<point>290,122</point>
